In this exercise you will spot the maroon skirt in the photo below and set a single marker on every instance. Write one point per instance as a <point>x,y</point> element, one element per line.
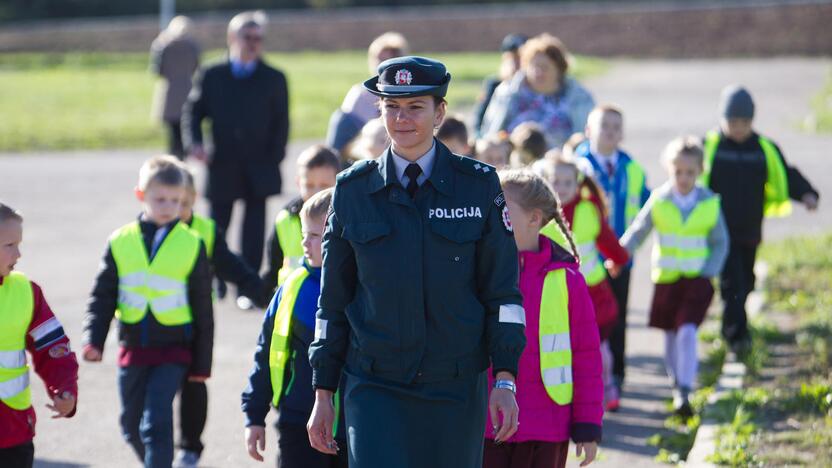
<point>685,301</point>
<point>525,454</point>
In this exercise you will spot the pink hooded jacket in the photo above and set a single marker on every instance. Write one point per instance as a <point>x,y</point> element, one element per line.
<point>541,419</point>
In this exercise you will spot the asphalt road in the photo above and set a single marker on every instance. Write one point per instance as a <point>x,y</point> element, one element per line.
<point>72,201</point>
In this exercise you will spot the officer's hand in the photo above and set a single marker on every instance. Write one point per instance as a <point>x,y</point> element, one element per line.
<point>590,448</point>
<point>810,201</point>
<point>320,423</point>
<point>502,401</point>
<point>256,441</point>
<point>92,354</point>
<point>62,405</point>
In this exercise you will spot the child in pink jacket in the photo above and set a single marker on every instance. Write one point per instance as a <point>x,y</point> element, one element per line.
<point>562,397</point>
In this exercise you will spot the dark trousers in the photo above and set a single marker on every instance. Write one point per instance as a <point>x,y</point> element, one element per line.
<point>736,282</point>
<point>253,230</point>
<point>18,456</point>
<point>147,394</point>
<point>294,450</point>
<point>525,454</point>
<point>621,290</point>
<point>193,412</point>
<point>175,146</point>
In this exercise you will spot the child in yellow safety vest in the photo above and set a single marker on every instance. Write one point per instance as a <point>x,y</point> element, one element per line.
<point>27,324</point>
<point>281,375</point>
<point>751,176</point>
<point>559,389</point>
<point>690,249</point>
<point>584,208</point>
<point>317,167</point>
<point>156,279</point>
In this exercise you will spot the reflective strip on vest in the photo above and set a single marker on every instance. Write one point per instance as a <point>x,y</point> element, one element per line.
<point>161,285</point>
<point>17,304</point>
<point>776,201</point>
<point>555,341</point>
<point>206,229</point>
<point>682,248</point>
<point>290,237</point>
<point>586,227</point>
<point>279,348</point>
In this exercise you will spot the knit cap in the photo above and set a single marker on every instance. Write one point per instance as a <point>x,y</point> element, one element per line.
<point>736,103</point>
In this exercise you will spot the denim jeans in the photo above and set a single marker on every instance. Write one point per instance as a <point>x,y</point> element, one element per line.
<point>147,394</point>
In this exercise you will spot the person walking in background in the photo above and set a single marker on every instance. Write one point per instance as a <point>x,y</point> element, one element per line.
<point>559,387</point>
<point>174,56</point>
<point>749,172</point>
<point>625,185</point>
<point>359,106</point>
<point>542,92</point>
<point>690,249</point>
<point>247,103</point>
<point>509,64</point>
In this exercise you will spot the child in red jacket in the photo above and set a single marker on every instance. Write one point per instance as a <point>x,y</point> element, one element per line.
<point>584,208</point>
<point>27,323</point>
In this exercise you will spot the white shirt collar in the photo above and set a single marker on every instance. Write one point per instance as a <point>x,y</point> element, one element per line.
<point>425,161</point>
<point>603,159</point>
<point>684,202</point>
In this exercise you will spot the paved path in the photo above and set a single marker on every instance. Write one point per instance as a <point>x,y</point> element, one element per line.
<point>83,196</point>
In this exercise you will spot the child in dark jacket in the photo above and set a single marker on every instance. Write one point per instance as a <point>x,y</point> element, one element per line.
<point>156,279</point>
<point>753,179</point>
<point>281,375</point>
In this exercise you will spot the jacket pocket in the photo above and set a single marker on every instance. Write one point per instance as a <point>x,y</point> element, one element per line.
<point>364,233</point>
<point>457,232</point>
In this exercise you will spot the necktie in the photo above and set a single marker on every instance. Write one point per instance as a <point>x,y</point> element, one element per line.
<point>158,237</point>
<point>610,168</point>
<point>413,171</point>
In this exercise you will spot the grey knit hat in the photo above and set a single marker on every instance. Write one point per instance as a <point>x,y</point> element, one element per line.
<point>736,102</point>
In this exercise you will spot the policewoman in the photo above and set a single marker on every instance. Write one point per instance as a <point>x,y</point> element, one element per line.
<point>419,292</point>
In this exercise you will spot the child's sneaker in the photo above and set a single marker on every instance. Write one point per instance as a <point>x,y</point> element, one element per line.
<point>244,303</point>
<point>186,459</point>
<point>681,402</point>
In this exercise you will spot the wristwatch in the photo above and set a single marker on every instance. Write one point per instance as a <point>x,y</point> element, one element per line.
<point>507,384</point>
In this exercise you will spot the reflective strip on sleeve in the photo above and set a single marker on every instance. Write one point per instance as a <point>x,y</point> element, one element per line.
<point>14,386</point>
<point>557,376</point>
<point>512,313</point>
<point>320,329</point>
<point>555,342</point>
<point>44,329</point>
<point>12,359</point>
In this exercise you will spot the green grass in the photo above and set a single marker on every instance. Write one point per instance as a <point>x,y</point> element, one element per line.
<point>103,100</point>
<point>820,118</point>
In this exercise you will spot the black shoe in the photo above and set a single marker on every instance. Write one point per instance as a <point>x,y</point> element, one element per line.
<point>681,402</point>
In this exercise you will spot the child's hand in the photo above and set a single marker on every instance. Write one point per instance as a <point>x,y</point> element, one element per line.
<point>62,405</point>
<point>256,441</point>
<point>589,448</point>
<point>611,267</point>
<point>92,354</point>
<point>810,201</point>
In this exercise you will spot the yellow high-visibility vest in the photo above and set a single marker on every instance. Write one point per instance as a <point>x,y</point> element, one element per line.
<point>586,226</point>
<point>555,343</point>
<point>160,285</point>
<point>279,348</point>
<point>207,230</point>
<point>776,201</point>
<point>17,305</point>
<point>290,237</point>
<point>682,248</point>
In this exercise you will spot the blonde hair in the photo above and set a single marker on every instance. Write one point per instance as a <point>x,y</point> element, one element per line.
<point>499,141</point>
<point>7,213</point>
<point>364,146</point>
<point>247,19</point>
<point>179,26</point>
<point>587,186</point>
<point>163,169</point>
<point>532,192</point>
<point>390,40</point>
<point>548,45</point>
<point>687,145</point>
<point>317,206</point>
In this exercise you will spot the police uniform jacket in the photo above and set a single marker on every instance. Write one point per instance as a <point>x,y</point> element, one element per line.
<point>418,290</point>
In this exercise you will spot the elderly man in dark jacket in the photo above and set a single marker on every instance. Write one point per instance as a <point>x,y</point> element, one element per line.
<point>247,103</point>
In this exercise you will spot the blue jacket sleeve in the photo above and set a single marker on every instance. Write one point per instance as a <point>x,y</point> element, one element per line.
<point>338,282</point>
<point>257,396</point>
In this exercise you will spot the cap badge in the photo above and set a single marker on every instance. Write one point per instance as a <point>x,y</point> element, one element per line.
<point>404,77</point>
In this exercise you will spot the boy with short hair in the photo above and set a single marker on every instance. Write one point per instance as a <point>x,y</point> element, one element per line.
<point>156,279</point>
<point>317,167</point>
<point>529,143</point>
<point>625,184</point>
<point>28,324</point>
<point>281,374</point>
<point>453,133</point>
<point>750,174</point>
<point>227,266</point>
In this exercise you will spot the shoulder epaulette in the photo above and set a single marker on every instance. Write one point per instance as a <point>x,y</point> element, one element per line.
<point>356,169</point>
<point>472,166</point>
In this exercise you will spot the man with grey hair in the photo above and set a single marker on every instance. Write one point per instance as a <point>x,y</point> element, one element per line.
<point>247,104</point>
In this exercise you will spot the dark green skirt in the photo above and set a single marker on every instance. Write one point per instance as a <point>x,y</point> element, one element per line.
<point>428,425</point>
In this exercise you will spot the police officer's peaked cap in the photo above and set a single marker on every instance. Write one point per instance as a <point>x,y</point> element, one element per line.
<point>408,77</point>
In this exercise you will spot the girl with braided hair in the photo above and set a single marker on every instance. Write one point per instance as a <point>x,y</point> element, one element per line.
<point>559,386</point>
